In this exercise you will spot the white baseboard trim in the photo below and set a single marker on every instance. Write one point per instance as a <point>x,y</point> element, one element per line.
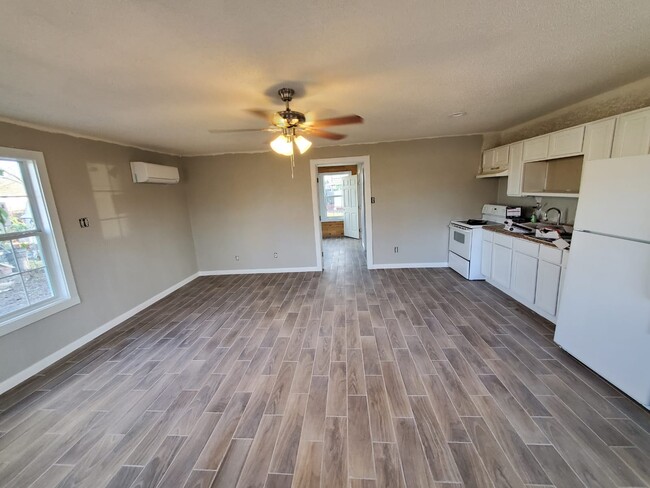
<point>408,265</point>
<point>220,272</point>
<point>35,368</point>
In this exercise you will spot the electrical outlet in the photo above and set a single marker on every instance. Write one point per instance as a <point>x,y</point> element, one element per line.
<point>84,222</point>
<point>275,255</point>
<point>396,249</point>
<point>236,258</point>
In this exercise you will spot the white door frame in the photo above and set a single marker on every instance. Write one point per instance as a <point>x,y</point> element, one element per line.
<point>363,161</point>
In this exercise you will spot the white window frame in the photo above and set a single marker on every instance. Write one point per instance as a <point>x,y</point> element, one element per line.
<point>55,252</point>
<point>321,184</point>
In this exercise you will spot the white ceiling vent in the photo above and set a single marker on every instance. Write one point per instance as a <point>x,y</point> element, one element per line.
<point>154,173</point>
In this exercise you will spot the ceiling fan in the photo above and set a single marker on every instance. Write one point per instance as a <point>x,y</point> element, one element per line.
<point>292,127</point>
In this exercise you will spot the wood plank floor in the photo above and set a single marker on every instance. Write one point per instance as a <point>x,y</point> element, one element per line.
<point>388,378</point>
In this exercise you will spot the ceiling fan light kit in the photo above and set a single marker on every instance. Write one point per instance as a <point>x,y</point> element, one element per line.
<point>292,124</point>
<point>282,145</point>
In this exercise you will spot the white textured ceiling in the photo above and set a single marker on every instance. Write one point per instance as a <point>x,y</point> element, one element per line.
<point>159,74</point>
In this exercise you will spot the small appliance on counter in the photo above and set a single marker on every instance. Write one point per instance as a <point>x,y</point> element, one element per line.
<point>465,238</point>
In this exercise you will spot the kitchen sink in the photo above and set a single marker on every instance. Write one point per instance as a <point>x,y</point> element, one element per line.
<point>562,229</point>
<point>530,228</point>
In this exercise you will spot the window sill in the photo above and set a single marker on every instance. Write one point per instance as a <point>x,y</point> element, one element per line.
<point>34,315</point>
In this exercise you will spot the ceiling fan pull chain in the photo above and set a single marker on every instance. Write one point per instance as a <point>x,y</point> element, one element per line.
<point>293,165</point>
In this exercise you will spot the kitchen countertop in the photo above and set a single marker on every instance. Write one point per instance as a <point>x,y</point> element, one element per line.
<point>527,237</point>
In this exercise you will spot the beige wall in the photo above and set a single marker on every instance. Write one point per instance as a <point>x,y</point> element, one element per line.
<point>138,244</point>
<point>248,205</point>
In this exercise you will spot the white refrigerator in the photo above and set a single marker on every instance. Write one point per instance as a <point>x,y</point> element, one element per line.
<point>604,316</point>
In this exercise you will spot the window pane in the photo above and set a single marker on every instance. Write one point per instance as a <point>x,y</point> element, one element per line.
<point>15,210</point>
<point>8,263</point>
<point>333,189</point>
<point>12,294</point>
<point>28,253</point>
<point>37,284</point>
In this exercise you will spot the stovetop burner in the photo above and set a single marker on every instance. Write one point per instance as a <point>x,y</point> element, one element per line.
<point>476,222</point>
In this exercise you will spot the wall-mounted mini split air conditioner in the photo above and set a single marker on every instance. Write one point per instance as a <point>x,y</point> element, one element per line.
<point>154,173</point>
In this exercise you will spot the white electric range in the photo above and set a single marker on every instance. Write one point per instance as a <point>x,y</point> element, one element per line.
<point>465,240</point>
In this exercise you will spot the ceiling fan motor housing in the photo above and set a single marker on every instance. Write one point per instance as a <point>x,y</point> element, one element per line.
<point>291,118</point>
<point>286,94</point>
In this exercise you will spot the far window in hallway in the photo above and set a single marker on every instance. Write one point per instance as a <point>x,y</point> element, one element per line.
<point>332,195</point>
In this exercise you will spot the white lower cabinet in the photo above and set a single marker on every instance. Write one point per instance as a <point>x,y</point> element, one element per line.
<point>486,259</point>
<point>548,286</point>
<point>501,265</point>
<point>524,276</point>
<point>529,272</point>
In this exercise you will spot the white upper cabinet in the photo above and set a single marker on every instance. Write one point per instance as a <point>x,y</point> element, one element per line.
<point>566,142</point>
<point>500,160</point>
<point>536,149</point>
<point>495,160</point>
<point>614,137</point>
<point>632,135</point>
<point>515,169</point>
<point>598,139</point>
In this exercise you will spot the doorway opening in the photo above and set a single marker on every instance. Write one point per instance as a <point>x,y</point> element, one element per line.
<point>341,203</point>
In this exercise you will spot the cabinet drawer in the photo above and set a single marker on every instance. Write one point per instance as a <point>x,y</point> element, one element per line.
<point>503,240</point>
<point>536,149</point>
<point>526,247</point>
<point>550,254</point>
<point>488,236</point>
<point>566,142</point>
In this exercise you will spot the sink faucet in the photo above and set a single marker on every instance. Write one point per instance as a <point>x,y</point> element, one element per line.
<point>559,214</point>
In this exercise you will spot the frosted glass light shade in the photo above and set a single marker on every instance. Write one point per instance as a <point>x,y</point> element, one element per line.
<point>282,145</point>
<point>303,144</point>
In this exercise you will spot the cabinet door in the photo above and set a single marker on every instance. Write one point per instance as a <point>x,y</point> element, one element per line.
<point>524,276</point>
<point>548,286</point>
<point>536,149</point>
<point>598,139</point>
<point>500,159</point>
<point>486,258</point>
<point>515,169</point>
<point>501,265</point>
<point>632,135</point>
<point>488,160</point>
<point>566,142</point>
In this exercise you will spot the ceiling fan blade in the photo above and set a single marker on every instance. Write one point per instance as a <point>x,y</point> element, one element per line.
<point>264,114</point>
<point>345,120</point>
<point>324,134</point>
<point>223,131</point>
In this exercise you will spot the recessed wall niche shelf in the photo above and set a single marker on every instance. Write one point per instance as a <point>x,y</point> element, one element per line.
<point>555,177</point>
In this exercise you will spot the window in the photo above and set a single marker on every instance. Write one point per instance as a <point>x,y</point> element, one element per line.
<point>35,275</point>
<point>332,195</point>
